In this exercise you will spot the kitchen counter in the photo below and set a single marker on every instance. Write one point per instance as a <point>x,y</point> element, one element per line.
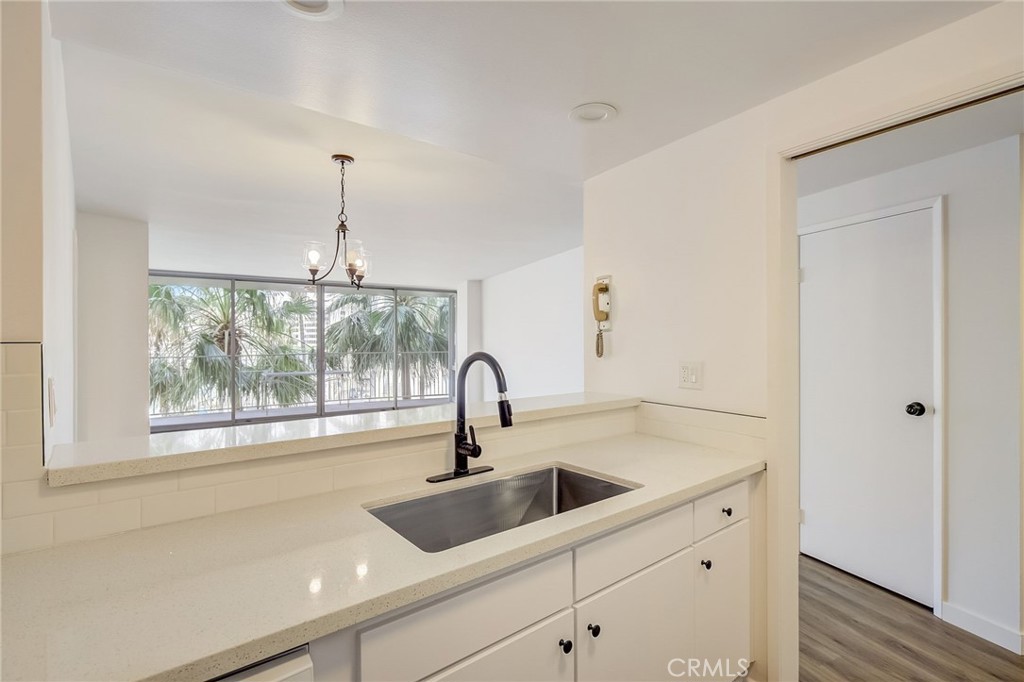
<point>178,450</point>
<point>195,599</point>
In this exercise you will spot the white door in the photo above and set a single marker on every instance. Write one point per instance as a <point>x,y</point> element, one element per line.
<point>867,335</point>
<point>633,629</point>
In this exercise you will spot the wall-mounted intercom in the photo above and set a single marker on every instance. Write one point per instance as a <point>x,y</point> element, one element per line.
<point>602,301</point>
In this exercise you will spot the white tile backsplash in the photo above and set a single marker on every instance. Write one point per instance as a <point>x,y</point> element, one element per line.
<point>21,392</point>
<point>22,427</point>
<point>22,498</point>
<point>177,506</point>
<point>22,358</point>
<point>242,494</point>
<point>305,483</point>
<point>27,533</point>
<point>36,515</point>
<point>97,520</point>
<point>22,462</point>
<point>140,486</point>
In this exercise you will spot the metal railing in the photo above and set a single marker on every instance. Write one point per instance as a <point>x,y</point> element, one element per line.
<point>352,381</point>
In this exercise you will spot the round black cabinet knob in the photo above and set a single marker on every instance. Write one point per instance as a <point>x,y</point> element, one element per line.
<point>916,409</point>
<point>706,563</point>
<point>566,645</point>
<point>595,630</point>
<point>727,511</point>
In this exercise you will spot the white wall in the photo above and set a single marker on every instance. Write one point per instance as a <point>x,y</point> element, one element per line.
<point>984,360</point>
<point>113,328</point>
<point>469,334</point>
<point>58,247</point>
<point>684,230</point>
<point>533,325</point>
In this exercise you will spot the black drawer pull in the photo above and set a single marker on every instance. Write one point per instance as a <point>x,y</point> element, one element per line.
<point>706,563</point>
<point>595,630</point>
<point>566,645</point>
<point>727,511</point>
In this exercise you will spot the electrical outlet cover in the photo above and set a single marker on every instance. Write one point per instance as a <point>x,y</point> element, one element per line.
<point>691,375</point>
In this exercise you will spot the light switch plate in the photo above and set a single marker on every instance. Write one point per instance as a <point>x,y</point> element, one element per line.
<point>691,375</point>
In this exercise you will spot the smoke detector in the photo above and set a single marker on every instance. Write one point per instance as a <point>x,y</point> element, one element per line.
<point>593,112</point>
<point>314,9</point>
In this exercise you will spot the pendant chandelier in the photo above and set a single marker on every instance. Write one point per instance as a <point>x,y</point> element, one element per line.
<point>355,258</point>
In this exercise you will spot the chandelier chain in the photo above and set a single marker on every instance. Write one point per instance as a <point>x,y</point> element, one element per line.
<point>342,218</point>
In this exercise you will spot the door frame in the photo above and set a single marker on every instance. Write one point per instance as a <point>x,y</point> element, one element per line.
<point>937,205</point>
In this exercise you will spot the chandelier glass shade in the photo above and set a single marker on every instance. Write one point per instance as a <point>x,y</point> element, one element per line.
<point>351,253</point>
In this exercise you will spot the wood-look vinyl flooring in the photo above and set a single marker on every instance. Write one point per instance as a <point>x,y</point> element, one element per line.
<point>852,630</point>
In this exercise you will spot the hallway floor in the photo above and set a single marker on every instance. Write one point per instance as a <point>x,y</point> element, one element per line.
<point>851,630</point>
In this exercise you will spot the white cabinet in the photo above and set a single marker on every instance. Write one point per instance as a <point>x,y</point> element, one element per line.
<point>674,588</point>
<point>721,599</point>
<point>631,630</point>
<point>538,654</point>
<point>423,642</point>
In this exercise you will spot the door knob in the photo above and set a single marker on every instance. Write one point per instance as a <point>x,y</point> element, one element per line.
<point>595,630</point>
<point>916,409</point>
<point>566,645</point>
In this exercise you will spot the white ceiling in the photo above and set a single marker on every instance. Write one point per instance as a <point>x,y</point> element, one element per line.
<point>931,139</point>
<point>213,120</point>
<point>232,182</point>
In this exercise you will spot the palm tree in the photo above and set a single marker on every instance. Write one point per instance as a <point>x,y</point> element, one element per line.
<point>364,337</point>
<point>194,355</point>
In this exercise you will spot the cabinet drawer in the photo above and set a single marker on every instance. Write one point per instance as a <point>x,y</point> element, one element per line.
<point>713,512</point>
<point>421,643</point>
<point>533,655</point>
<point>296,666</point>
<point>613,557</point>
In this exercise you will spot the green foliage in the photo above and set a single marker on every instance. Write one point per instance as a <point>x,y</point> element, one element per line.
<point>195,357</point>
<point>362,333</point>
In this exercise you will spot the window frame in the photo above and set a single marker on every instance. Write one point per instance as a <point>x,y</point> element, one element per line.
<point>322,408</point>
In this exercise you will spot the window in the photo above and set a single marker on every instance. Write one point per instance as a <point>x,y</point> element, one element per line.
<point>232,350</point>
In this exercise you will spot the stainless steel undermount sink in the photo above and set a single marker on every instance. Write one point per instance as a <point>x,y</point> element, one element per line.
<point>448,519</point>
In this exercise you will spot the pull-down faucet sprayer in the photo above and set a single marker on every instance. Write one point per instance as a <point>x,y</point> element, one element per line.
<point>466,445</point>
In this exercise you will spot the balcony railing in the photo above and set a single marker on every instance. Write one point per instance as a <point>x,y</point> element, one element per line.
<point>259,388</point>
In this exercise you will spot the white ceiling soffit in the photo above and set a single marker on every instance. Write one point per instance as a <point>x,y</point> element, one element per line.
<point>497,79</point>
<point>917,143</point>
<point>234,182</point>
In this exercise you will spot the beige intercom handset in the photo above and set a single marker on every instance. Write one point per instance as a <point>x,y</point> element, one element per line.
<point>602,301</point>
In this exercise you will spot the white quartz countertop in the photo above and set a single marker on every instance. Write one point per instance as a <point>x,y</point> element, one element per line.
<point>173,451</point>
<point>195,599</point>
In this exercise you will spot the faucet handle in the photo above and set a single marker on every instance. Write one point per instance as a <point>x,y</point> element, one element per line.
<point>474,450</point>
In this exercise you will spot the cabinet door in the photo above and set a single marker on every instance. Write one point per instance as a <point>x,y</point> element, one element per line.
<point>645,621</point>
<point>536,654</point>
<point>722,601</point>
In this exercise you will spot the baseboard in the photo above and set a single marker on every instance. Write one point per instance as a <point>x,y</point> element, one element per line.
<point>984,628</point>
